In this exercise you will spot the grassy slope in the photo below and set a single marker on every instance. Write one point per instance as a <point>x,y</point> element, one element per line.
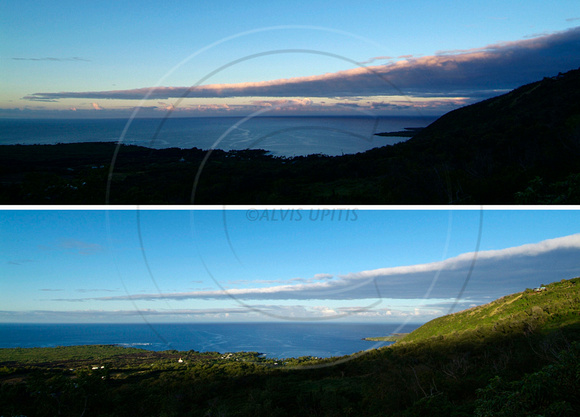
<point>557,306</point>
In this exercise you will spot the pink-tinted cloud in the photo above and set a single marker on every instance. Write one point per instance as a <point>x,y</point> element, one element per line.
<point>500,66</point>
<point>285,104</point>
<point>377,58</point>
<point>96,106</point>
<point>166,106</point>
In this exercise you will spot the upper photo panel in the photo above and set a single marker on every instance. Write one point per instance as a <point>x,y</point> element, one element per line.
<point>290,103</point>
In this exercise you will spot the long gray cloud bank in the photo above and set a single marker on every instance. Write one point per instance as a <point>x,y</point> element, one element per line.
<point>489,274</point>
<point>474,72</point>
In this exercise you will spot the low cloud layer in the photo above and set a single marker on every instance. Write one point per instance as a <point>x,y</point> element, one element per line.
<point>490,274</point>
<point>256,312</point>
<point>471,72</point>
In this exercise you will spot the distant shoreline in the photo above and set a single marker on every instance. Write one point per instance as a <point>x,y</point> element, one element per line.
<point>394,337</point>
<point>286,340</point>
<point>407,133</point>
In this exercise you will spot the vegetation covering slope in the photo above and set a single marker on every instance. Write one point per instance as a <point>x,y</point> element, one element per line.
<point>506,358</point>
<point>522,147</point>
<point>539,309</point>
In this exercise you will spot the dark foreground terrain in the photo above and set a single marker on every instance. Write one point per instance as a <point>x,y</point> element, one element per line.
<point>517,356</point>
<point>519,148</point>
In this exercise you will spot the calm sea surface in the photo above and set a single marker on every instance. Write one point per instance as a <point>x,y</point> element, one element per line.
<point>277,340</point>
<point>284,136</point>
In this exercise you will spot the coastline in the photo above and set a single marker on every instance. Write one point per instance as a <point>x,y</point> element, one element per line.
<point>409,132</point>
<point>394,337</point>
<point>285,339</point>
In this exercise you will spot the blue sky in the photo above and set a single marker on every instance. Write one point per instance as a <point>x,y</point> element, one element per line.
<point>274,264</point>
<point>104,59</point>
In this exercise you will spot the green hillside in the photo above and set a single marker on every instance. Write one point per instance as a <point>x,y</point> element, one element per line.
<point>549,307</point>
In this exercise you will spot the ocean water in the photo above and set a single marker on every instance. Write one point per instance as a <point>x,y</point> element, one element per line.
<point>283,136</point>
<point>276,340</point>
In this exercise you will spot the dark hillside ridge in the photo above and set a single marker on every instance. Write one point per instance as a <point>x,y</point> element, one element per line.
<point>522,147</point>
<point>534,129</point>
<point>551,103</point>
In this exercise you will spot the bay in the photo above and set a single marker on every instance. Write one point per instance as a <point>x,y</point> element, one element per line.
<point>276,340</point>
<point>282,136</point>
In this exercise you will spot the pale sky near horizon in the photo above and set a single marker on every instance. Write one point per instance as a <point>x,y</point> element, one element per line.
<point>103,59</point>
<point>274,265</point>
